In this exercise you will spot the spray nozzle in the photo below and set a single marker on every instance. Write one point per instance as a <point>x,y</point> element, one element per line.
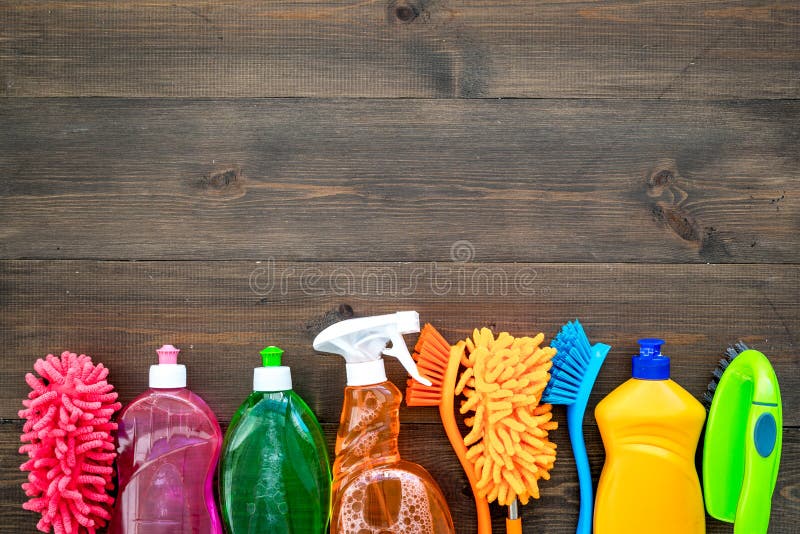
<point>362,341</point>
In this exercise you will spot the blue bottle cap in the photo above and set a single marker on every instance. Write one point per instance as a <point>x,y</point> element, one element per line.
<point>650,364</point>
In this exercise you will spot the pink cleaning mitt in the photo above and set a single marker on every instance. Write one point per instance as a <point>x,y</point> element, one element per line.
<point>68,440</point>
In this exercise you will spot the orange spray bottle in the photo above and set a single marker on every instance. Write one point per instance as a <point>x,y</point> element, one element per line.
<point>650,428</point>
<point>374,490</point>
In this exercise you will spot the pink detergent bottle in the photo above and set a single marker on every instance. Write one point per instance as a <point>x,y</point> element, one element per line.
<point>169,443</point>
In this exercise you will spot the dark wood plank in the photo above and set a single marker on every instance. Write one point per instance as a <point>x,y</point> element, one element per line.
<point>521,180</point>
<point>409,48</point>
<point>555,512</point>
<point>222,313</point>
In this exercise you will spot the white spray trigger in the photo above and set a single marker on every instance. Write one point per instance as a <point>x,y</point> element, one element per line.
<point>362,341</point>
<point>400,351</point>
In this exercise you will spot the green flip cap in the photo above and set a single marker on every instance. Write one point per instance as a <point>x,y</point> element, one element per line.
<point>271,356</point>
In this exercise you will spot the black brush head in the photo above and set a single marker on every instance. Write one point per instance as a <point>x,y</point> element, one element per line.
<point>730,353</point>
<point>319,323</point>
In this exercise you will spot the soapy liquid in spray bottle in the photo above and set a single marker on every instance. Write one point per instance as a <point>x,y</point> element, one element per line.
<point>375,491</point>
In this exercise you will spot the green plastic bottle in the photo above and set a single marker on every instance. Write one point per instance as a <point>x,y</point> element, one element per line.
<point>274,474</point>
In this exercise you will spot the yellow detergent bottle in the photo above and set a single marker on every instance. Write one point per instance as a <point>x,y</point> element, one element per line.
<point>650,428</point>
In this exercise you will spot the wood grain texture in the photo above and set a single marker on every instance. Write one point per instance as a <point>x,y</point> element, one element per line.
<point>222,313</point>
<point>634,164</point>
<point>401,48</point>
<point>381,180</point>
<point>555,512</point>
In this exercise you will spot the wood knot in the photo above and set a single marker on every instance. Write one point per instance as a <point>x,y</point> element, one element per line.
<point>661,177</point>
<point>402,11</point>
<point>664,177</point>
<point>345,311</point>
<point>668,204</point>
<point>680,222</point>
<point>223,179</point>
<point>224,183</point>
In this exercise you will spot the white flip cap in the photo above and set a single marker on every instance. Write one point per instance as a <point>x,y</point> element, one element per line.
<point>272,378</point>
<point>167,374</point>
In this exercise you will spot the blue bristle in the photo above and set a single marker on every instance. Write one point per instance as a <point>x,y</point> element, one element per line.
<point>576,365</point>
<point>572,357</point>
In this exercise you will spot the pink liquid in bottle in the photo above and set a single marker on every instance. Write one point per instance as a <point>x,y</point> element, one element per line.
<point>169,444</point>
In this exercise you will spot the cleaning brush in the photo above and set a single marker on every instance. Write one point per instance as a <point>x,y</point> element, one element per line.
<point>575,368</point>
<point>69,444</point>
<point>728,356</point>
<point>742,446</point>
<point>439,362</point>
<point>507,449</point>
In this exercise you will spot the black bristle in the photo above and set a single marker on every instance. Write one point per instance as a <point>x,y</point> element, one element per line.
<point>730,353</point>
<point>319,323</point>
<point>708,394</point>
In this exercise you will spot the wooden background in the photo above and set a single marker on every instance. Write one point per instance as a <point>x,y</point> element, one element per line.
<point>223,176</point>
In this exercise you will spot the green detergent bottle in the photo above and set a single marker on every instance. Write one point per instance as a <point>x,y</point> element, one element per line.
<point>274,474</point>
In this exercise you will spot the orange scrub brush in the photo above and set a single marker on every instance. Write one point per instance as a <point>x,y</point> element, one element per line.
<point>436,360</point>
<point>507,449</point>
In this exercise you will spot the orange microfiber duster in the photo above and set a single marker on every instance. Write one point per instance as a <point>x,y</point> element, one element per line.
<point>508,446</point>
<point>68,440</point>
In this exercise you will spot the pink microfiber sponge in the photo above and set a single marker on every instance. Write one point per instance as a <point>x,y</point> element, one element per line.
<point>68,439</point>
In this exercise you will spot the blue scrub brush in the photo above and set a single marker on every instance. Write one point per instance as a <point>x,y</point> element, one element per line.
<point>575,368</point>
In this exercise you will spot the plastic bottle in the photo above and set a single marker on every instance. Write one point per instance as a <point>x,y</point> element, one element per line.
<point>650,428</point>
<point>274,475</point>
<point>374,490</point>
<point>169,443</point>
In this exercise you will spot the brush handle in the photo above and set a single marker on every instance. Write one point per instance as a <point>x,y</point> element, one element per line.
<point>575,424</point>
<point>447,414</point>
<point>514,526</point>
<point>761,459</point>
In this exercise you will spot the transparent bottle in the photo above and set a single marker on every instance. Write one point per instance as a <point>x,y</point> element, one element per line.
<point>168,443</point>
<point>274,475</point>
<point>374,490</point>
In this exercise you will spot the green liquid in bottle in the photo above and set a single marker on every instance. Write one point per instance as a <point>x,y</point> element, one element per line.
<point>274,473</point>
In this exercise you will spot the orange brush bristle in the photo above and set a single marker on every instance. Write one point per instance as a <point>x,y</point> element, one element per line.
<point>432,352</point>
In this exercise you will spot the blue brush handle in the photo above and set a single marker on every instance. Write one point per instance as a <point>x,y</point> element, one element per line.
<point>575,425</point>
<point>575,413</point>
